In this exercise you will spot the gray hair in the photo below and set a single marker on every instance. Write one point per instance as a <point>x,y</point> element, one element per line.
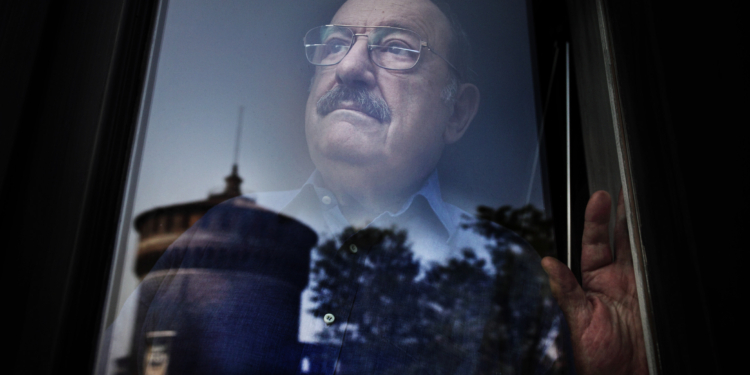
<point>459,47</point>
<point>449,94</point>
<point>459,54</point>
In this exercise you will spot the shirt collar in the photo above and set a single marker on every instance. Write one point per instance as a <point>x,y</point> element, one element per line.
<point>430,191</point>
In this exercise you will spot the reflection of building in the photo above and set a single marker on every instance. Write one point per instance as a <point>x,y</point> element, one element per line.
<point>161,226</point>
<point>240,271</point>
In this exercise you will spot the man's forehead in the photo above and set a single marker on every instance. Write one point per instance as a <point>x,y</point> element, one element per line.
<point>421,16</point>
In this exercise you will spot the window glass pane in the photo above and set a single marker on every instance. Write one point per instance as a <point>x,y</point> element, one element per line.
<point>392,177</point>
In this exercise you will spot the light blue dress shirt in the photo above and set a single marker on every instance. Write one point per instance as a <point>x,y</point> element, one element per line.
<point>438,237</point>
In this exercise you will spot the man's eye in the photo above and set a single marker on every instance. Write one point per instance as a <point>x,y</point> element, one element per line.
<point>399,51</point>
<point>396,47</point>
<point>336,45</point>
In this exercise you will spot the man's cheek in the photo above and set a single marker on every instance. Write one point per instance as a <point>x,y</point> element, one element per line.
<point>405,104</point>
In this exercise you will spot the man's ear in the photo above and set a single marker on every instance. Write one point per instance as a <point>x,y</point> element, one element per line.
<point>464,109</point>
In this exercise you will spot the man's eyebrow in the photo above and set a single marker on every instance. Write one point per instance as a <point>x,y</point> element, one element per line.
<point>392,24</point>
<point>384,23</point>
<point>397,24</point>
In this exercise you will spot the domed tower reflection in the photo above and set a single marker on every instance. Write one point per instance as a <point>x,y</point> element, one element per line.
<point>221,282</point>
<point>159,227</point>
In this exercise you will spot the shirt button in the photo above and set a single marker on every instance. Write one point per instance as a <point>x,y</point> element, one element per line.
<point>326,199</point>
<point>353,248</point>
<point>329,318</point>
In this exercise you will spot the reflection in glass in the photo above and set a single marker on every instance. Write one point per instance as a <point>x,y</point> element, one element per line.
<point>423,287</point>
<point>230,290</point>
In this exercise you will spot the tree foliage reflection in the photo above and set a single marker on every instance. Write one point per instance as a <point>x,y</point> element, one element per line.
<point>461,315</point>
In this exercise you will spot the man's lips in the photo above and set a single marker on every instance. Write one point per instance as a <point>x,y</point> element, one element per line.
<point>351,107</point>
<point>355,118</point>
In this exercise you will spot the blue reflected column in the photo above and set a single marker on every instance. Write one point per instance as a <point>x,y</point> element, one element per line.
<point>225,297</point>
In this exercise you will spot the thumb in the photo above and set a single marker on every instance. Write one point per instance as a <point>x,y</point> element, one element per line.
<point>565,289</point>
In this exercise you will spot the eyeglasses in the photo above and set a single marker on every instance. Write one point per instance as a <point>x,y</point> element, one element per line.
<point>389,47</point>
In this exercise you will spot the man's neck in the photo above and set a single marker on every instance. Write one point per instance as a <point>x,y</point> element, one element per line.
<point>360,214</point>
<point>361,206</point>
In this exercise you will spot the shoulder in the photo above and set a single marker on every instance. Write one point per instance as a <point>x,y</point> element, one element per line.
<point>496,243</point>
<point>273,200</point>
<point>467,226</point>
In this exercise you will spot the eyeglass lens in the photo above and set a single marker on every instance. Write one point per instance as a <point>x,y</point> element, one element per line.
<point>389,48</point>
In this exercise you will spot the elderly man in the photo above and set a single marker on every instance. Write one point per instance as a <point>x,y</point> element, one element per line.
<point>400,282</point>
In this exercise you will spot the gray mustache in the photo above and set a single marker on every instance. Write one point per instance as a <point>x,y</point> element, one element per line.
<point>365,101</point>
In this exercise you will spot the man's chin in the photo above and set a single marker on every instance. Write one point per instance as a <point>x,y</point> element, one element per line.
<point>350,154</point>
<point>348,137</point>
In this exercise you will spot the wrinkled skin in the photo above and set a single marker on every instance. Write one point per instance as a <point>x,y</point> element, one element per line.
<point>603,313</point>
<point>374,166</point>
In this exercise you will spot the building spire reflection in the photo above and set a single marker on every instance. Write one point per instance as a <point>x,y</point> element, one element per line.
<point>231,189</point>
<point>160,226</point>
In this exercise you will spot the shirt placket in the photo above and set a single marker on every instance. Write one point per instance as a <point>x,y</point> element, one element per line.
<point>325,358</point>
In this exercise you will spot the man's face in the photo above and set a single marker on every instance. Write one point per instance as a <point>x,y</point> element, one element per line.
<point>358,150</point>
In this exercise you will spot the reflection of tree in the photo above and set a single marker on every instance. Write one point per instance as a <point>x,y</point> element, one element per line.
<point>522,302</point>
<point>431,315</point>
<point>459,291</point>
<point>338,279</point>
<point>527,221</point>
<point>448,317</point>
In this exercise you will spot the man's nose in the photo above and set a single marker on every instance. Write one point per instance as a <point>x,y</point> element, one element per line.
<point>356,68</point>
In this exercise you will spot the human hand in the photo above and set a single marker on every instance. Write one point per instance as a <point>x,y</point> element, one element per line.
<point>603,316</point>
